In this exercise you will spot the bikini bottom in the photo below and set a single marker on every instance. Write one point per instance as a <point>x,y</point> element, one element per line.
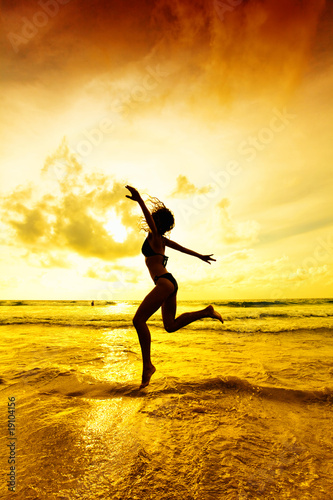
<point>169,277</point>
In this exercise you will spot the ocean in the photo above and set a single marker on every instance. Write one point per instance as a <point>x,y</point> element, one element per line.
<point>235,411</point>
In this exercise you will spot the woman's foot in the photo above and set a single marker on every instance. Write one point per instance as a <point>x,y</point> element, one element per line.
<point>211,313</point>
<point>146,376</point>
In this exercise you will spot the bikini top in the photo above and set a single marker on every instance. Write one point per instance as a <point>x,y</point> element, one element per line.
<point>149,252</point>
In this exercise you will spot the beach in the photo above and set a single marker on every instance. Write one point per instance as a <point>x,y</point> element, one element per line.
<point>235,411</point>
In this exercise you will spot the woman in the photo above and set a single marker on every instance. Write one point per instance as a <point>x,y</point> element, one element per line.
<point>159,222</point>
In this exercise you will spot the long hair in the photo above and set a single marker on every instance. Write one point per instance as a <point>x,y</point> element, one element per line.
<point>163,217</point>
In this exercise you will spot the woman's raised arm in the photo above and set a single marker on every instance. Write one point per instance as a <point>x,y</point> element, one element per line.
<point>136,197</point>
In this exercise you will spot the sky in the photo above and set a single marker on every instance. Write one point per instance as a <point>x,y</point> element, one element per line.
<point>222,109</point>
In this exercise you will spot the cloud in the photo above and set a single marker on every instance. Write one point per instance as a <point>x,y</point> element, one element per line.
<point>48,259</point>
<point>104,32</point>
<point>74,216</point>
<point>185,188</point>
<point>237,255</point>
<point>113,273</point>
<point>311,274</point>
<point>243,269</point>
<point>242,233</point>
<point>224,60</point>
<point>217,59</point>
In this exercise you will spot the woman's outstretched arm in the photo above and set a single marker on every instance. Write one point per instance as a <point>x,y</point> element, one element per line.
<point>136,197</point>
<point>176,246</point>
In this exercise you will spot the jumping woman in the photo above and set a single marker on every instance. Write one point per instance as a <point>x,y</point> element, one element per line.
<point>159,222</point>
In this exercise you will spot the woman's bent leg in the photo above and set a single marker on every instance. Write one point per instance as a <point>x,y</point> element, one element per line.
<point>172,324</point>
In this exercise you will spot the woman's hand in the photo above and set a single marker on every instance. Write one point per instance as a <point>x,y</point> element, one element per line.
<point>207,258</point>
<point>135,194</point>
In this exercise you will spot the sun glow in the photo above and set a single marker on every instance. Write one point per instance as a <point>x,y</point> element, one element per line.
<point>167,97</point>
<point>115,228</point>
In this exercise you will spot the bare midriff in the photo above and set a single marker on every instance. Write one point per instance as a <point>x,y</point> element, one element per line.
<point>155,266</point>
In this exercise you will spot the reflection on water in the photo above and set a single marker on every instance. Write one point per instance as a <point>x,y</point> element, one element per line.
<point>228,415</point>
<point>213,442</point>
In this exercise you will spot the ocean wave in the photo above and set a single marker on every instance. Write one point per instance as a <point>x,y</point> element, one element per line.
<point>41,374</point>
<point>92,323</point>
<point>263,303</point>
<point>241,385</point>
<point>70,383</point>
<point>277,330</point>
<point>57,303</point>
<point>295,314</point>
<point>243,325</point>
<point>227,303</point>
<point>272,303</point>
<point>14,303</point>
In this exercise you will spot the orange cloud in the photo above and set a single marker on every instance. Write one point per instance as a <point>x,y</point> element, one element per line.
<point>253,48</point>
<point>256,48</point>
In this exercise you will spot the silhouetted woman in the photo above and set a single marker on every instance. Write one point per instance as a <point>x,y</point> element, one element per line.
<point>159,222</point>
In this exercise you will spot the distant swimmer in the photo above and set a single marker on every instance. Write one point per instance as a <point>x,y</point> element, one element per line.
<point>158,222</point>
